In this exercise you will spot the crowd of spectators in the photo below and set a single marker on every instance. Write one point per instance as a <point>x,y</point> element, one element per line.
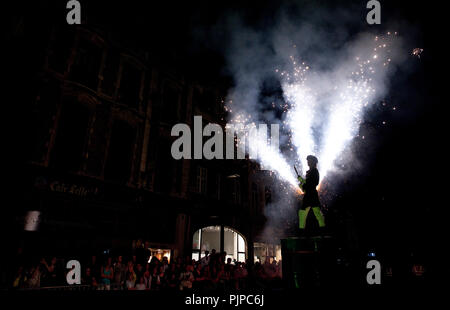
<point>140,271</point>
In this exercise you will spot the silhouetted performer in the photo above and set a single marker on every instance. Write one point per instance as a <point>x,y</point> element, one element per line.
<point>311,197</point>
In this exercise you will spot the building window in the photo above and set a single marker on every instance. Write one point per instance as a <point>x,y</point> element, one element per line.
<point>159,254</point>
<point>60,49</point>
<point>130,85</point>
<point>234,245</point>
<point>165,167</point>
<point>254,196</point>
<point>201,181</point>
<point>179,175</point>
<point>98,141</point>
<point>208,238</point>
<point>196,240</point>
<point>44,112</point>
<point>208,102</point>
<point>109,73</point>
<point>218,185</point>
<point>266,251</point>
<point>171,98</point>
<point>86,65</point>
<point>120,154</point>
<point>236,191</point>
<point>71,136</point>
<point>205,101</point>
<point>196,98</point>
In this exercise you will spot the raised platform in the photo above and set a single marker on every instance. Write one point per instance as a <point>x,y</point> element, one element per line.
<point>307,260</point>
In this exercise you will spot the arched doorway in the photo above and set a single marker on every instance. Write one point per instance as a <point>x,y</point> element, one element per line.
<point>219,238</point>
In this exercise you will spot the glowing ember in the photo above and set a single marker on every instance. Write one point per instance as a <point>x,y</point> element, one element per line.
<point>417,51</point>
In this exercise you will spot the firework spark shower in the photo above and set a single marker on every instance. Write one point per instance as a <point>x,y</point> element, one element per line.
<point>327,85</point>
<point>335,100</point>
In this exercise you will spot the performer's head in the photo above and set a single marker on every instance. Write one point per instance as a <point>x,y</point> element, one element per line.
<point>312,161</point>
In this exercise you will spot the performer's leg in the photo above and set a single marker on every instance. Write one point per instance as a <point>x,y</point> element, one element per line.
<point>319,216</point>
<point>302,214</point>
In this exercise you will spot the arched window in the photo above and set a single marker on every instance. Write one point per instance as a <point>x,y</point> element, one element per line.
<point>209,238</point>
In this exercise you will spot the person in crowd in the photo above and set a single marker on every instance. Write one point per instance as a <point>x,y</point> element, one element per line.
<point>147,252</point>
<point>34,281</point>
<point>20,278</point>
<point>276,269</point>
<point>198,276</point>
<point>228,265</point>
<point>188,260</point>
<point>209,273</point>
<point>172,277</point>
<point>232,279</point>
<point>139,271</point>
<point>238,275</point>
<point>267,268</point>
<point>134,260</point>
<point>260,276</point>
<point>131,275</point>
<point>131,281</point>
<point>147,276</point>
<point>198,273</point>
<point>223,257</point>
<point>141,285</point>
<point>139,252</point>
<point>179,265</point>
<point>51,272</point>
<point>162,277</point>
<point>214,275</point>
<point>165,263</point>
<point>89,279</point>
<point>130,265</point>
<point>186,278</point>
<point>94,266</point>
<point>205,259</point>
<point>20,259</point>
<point>223,277</point>
<point>107,274</point>
<point>154,263</point>
<point>213,258</point>
<point>120,270</point>
<point>43,272</point>
<point>207,283</point>
<point>155,280</point>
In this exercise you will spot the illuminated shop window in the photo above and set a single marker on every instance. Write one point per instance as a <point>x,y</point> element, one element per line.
<point>159,254</point>
<point>266,251</point>
<point>209,238</point>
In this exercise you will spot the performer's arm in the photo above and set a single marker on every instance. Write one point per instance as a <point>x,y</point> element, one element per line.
<point>301,181</point>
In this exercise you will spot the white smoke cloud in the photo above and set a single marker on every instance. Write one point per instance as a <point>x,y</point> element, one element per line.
<point>329,74</point>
